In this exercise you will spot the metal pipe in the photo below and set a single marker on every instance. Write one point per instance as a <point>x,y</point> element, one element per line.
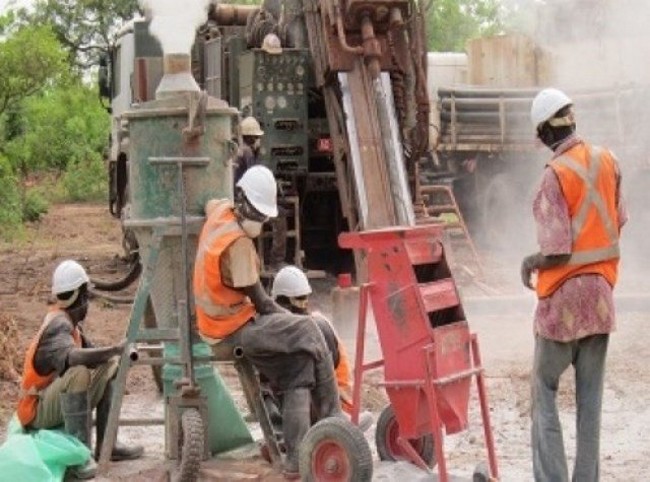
<point>371,47</point>
<point>340,33</point>
<point>226,15</point>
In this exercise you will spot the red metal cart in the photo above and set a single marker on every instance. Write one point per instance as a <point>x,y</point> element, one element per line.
<point>429,354</point>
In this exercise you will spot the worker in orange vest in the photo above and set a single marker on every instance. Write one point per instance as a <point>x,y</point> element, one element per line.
<point>233,308</point>
<point>291,290</point>
<point>64,376</point>
<point>579,213</point>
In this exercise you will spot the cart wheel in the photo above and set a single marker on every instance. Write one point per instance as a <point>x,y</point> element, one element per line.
<point>386,439</point>
<point>191,446</point>
<point>481,473</point>
<point>335,450</point>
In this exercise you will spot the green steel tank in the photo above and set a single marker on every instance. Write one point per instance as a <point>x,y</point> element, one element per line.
<point>182,123</point>
<point>180,150</point>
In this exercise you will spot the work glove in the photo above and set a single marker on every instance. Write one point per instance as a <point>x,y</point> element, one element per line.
<point>528,266</point>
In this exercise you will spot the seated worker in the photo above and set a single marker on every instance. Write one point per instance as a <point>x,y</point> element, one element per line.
<point>233,308</point>
<point>291,290</point>
<point>65,377</point>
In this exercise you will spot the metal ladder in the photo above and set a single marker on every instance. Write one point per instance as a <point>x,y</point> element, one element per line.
<point>440,199</point>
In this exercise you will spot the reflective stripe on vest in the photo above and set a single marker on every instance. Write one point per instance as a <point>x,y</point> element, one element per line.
<point>588,179</point>
<point>220,309</point>
<point>203,300</point>
<point>592,198</point>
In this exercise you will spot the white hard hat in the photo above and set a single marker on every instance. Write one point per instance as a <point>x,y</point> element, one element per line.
<point>261,190</point>
<point>546,104</point>
<point>290,282</point>
<point>68,276</point>
<point>250,127</point>
<point>271,44</point>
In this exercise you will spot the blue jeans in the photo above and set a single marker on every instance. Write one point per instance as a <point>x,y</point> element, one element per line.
<point>552,358</point>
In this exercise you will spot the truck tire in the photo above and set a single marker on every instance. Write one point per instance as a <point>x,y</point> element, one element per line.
<point>191,447</point>
<point>389,449</point>
<point>335,450</point>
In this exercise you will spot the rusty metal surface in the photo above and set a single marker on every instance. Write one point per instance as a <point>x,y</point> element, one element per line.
<point>230,15</point>
<point>371,172</point>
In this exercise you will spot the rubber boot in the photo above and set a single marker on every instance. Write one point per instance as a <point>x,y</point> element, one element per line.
<point>77,420</point>
<point>326,391</point>
<point>296,404</point>
<point>119,452</point>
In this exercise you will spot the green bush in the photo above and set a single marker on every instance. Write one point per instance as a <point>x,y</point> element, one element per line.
<point>85,180</point>
<point>10,209</point>
<point>34,205</point>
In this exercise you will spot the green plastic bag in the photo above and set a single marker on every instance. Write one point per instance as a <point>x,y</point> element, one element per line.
<point>40,455</point>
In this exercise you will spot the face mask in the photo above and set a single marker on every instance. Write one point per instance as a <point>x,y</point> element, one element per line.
<point>252,228</point>
<point>299,303</point>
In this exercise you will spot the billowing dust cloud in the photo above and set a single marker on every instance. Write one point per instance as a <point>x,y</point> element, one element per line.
<point>174,23</point>
<point>597,51</point>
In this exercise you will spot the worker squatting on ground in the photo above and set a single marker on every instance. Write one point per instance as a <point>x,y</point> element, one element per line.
<point>233,308</point>
<point>248,155</point>
<point>579,213</point>
<point>65,377</point>
<point>291,290</point>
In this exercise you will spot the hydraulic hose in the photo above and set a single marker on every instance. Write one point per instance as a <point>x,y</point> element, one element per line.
<point>118,285</point>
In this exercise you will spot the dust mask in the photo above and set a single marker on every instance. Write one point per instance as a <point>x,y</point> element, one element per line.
<point>252,228</point>
<point>300,303</point>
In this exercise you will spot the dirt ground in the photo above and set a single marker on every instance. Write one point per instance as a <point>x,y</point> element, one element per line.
<point>497,309</point>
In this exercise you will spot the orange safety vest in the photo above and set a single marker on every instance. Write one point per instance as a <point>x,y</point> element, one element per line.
<point>220,310</point>
<point>342,369</point>
<point>33,383</point>
<point>343,379</point>
<point>588,177</point>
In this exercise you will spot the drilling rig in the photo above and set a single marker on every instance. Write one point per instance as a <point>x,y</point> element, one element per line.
<point>344,108</point>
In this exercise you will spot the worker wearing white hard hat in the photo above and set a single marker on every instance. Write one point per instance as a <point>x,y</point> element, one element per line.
<point>271,44</point>
<point>291,290</point>
<point>65,377</point>
<point>232,308</point>
<point>579,212</point>
<point>248,154</point>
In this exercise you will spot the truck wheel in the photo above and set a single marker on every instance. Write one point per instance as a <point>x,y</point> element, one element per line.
<point>191,447</point>
<point>335,450</point>
<point>388,447</point>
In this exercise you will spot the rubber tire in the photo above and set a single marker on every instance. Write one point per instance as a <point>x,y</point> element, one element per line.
<point>481,473</point>
<point>344,438</point>
<point>387,427</point>
<point>191,447</point>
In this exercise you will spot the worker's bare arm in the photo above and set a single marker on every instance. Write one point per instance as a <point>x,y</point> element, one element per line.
<point>539,261</point>
<point>92,357</point>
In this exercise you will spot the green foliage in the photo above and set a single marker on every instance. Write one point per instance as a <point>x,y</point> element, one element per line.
<point>30,58</point>
<point>451,23</point>
<point>62,126</point>
<point>85,180</point>
<point>85,27</point>
<point>34,205</point>
<point>10,208</point>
